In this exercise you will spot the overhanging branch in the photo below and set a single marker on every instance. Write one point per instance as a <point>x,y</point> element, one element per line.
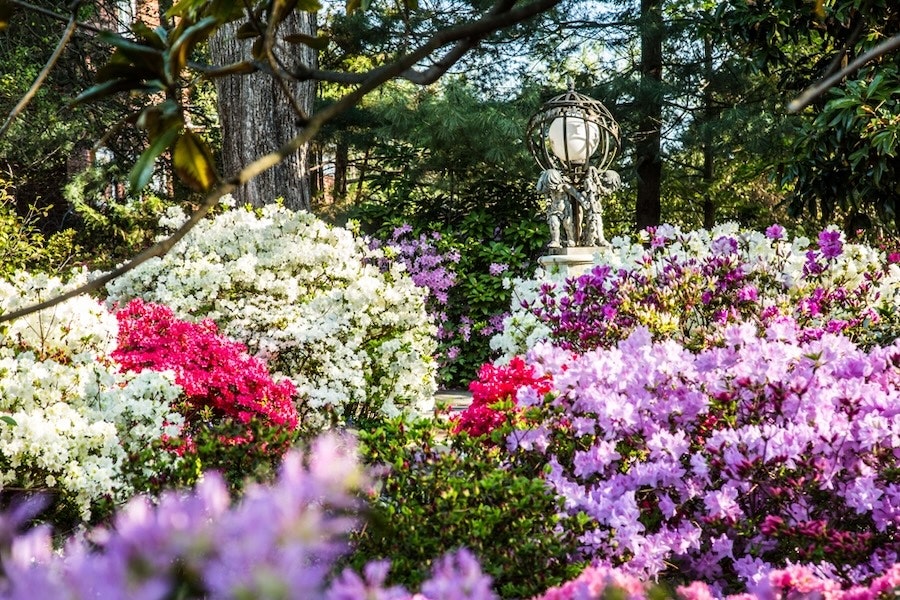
<point>501,16</point>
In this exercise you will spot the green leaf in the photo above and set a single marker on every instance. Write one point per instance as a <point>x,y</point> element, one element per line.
<point>258,49</point>
<point>177,56</point>
<point>193,162</point>
<point>139,54</point>
<point>8,420</point>
<point>142,171</point>
<point>319,43</point>
<point>107,88</point>
<point>153,37</point>
<point>6,12</point>
<point>310,5</point>
<point>247,31</point>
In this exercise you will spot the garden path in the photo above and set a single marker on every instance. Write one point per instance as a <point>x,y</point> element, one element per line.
<point>458,399</point>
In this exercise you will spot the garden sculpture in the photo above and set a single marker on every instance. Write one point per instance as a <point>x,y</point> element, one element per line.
<point>553,184</point>
<point>597,185</point>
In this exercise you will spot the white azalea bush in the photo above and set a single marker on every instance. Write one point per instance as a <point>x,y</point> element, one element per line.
<point>355,341</point>
<point>687,284</point>
<point>73,424</point>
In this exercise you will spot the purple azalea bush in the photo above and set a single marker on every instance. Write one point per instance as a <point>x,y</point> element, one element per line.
<point>463,328</point>
<point>281,541</point>
<point>689,285</point>
<point>723,464</point>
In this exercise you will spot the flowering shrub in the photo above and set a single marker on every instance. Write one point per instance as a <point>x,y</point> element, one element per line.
<point>468,260</point>
<point>229,395</point>
<point>74,424</point>
<point>596,583</point>
<point>355,341</point>
<point>494,396</point>
<point>439,492</point>
<point>721,464</point>
<point>688,285</point>
<point>279,542</point>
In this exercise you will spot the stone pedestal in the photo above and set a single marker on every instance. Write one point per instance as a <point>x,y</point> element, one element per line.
<point>569,262</point>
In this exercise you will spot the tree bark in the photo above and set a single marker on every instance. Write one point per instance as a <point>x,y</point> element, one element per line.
<point>256,117</point>
<point>648,209</point>
<point>709,114</point>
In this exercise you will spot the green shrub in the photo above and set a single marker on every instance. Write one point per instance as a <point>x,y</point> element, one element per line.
<point>442,491</point>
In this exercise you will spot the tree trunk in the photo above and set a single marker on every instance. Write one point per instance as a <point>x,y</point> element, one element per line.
<point>648,163</point>
<point>341,164</point>
<point>256,117</point>
<point>709,114</point>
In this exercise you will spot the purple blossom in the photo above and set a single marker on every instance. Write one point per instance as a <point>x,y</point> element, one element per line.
<point>761,428</point>
<point>831,244</point>
<point>775,232</point>
<point>458,576</point>
<point>497,268</point>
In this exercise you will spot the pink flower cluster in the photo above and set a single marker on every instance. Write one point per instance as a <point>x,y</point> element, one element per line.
<point>216,373</point>
<point>595,583</point>
<point>496,386</point>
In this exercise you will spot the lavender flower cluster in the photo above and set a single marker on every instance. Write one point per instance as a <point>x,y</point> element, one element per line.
<point>725,463</point>
<point>281,541</point>
<point>433,264</point>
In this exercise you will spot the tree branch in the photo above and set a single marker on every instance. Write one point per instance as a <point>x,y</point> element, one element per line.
<point>42,76</point>
<point>502,15</point>
<point>374,79</point>
<point>814,91</point>
<point>53,15</point>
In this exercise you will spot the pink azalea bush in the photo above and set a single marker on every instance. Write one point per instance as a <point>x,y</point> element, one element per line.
<point>722,464</point>
<point>229,399</point>
<point>494,395</point>
<point>596,583</point>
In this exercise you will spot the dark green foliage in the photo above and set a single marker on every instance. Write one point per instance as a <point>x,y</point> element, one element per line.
<point>845,158</point>
<point>114,223</point>
<point>23,247</point>
<point>500,223</point>
<point>238,463</point>
<point>842,162</point>
<point>442,492</point>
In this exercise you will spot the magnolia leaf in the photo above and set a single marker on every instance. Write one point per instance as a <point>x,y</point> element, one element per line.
<point>177,56</point>
<point>8,420</point>
<point>258,50</point>
<point>224,11</point>
<point>310,5</point>
<point>193,162</point>
<point>319,43</point>
<point>247,31</point>
<point>142,171</point>
<point>107,88</point>
<point>411,4</point>
<point>6,12</point>
<point>152,37</point>
<point>119,67</point>
<point>281,9</point>
<point>352,6</point>
<point>142,56</point>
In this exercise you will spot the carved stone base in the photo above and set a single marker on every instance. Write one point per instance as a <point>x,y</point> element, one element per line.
<point>569,262</point>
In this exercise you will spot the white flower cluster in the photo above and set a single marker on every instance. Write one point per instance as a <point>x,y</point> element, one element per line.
<point>71,418</point>
<point>780,261</point>
<point>300,294</point>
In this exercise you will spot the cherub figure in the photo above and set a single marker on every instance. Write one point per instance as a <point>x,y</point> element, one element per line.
<point>559,192</point>
<point>597,185</point>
